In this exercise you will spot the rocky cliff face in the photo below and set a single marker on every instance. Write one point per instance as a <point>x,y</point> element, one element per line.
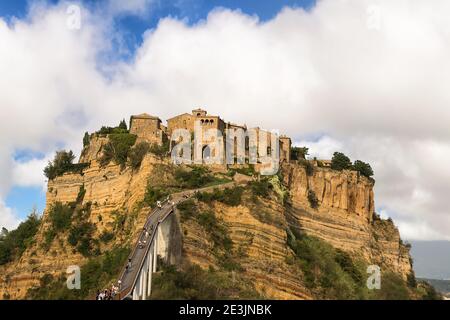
<point>345,216</point>
<point>111,192</point>
<point>259,241</point>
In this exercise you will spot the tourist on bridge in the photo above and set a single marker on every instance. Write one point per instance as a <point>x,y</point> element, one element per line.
<point>128,267</point>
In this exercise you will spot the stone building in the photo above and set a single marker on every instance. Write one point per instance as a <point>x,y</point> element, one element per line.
<point>148,128</point>
<point>187,121</point>
<point>285,148</point>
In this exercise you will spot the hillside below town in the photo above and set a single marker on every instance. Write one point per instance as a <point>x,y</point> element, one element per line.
<point>310,231</point>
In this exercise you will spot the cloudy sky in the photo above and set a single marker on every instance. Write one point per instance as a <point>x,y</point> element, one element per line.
<point>369,78</point>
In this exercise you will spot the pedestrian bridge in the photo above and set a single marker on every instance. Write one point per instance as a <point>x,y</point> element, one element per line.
<point>163,244</point>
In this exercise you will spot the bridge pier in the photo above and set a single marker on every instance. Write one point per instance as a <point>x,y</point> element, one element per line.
<point>166,244</point>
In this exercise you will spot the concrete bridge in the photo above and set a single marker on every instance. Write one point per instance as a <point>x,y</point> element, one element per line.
<point>163,242</point>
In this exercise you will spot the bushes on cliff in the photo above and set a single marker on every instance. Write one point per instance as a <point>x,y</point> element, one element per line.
<point>86,139</point>
<point>312,198</point>
<point>298,153</point>
<point>340,162</point>
<point>154,194</point>
<point>229,196</point>
<point>309,168</point>
<point>137,154</point>
<point>194,283</point>
<point>117,148</point>
<point>195,178</point>
<point>187,209</point>
<point>363,168</point>
<point>331,273</point>
<point>97,273</point>
<point>60,216</point>
<point>121,128</point>
<point>62,163</point>
<point>158,150</point>
<point>80,236</point>
<point>13,243</point>
<point>261,188</point>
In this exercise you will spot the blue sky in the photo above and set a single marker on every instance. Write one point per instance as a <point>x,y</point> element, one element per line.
<point>309,66</point>
<point>22,199</point>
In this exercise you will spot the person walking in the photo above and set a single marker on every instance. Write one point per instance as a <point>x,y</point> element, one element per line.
<point>128,267</point>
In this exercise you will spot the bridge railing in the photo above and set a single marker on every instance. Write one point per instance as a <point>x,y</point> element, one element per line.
<point>135,248</point>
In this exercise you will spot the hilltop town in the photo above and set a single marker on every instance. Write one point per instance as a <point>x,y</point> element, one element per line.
<point>309,230</point>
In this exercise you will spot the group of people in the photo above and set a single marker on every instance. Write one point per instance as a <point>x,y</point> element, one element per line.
<point>108,294</point>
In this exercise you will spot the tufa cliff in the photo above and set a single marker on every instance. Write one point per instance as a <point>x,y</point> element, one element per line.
<point>245,234</point>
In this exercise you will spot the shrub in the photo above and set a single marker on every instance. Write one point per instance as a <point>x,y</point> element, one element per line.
<point>363,168</point>
<point>117,148</point>
<point>298,153</point>
<point>309,168</point>
<point>330,272</point>
<point>80,236</point>
<point>86,139</point>
<point>194,283</point>
<point>153,194</point>
<point>340,162</point>
<point>312,198</point>
<point>392,288</point>
<point>96,273</point>
<point>14,243</point>
<point>62,163</point>
<point>195,178</point>
<point>158,150</point>
<point>187,209</point>
<point>137,154</point>
<point>231,197</point>
<point>123,125</point>
<point>60,216</point>
<point>81,194</point>
<point>248,170</point>
<point>260,188</point>
<point>106,236</point>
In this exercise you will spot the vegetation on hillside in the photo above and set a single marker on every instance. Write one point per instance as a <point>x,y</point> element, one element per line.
<point>194,283</point>
<point>196,177</point>
<point>63,163</point>
<point>228,196</point>
<point>217,232</point>
<point>96,273</point>
<point>137,154</point>
<point>121,128</point>
<point>298,153</point>
<point>117,148</point>
<point>14,243</point>
<point>331,273</point>
<point>341,162</point>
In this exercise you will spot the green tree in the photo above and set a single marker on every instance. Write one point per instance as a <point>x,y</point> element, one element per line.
<point>86,139</point>
<point>363,168</point>
<point>123,125</point>
<point>13,243</point>
<point>340,162</point>
<point>137,154</point>
<point>298,153</point>
<point>62,163</point>
<point>117,148</point>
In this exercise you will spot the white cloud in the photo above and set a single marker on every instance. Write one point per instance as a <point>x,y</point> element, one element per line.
<point>322,148</point>
<point>8,219</point>
<point>29,173</point>
<point>379,94</point>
